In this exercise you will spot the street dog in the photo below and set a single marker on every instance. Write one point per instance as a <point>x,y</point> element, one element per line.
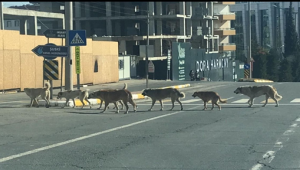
<point>34,93</point>
<point>125,87</point>
<point>206,96</point>
<point>160,94</point>
<point>256,91</point>
<point>113,96</point>
<point>71,94</point>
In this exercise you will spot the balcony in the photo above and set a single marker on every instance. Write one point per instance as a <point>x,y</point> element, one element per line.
<point>226,16</point>
<point>224,31</point>
<point>227,47</point>
<point>225,2</point>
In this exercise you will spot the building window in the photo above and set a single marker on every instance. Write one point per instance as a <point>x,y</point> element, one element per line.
<point>136,8</point>
<point>17,23</point>
<point>8,23</point>
<point>121,64</point>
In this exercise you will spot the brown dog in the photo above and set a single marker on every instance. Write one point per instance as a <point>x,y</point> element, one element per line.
<point>206,96</point>
<point>125,87</point>
<point>160,94</point>
<point>113,96</point>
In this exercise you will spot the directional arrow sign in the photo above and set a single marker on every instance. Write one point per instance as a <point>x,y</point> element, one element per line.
<point>55,33</point>
<point>50,51</point>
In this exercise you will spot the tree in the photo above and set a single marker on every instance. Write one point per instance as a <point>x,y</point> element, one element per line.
<point>285,72</point>
<point>273,64</point>
<point>260,64</point>
<point>291,36</point>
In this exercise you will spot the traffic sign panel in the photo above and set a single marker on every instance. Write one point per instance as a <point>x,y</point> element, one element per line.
<point>50,51</point>
<point>77,38</point>
<point>77,59</point>
<point>51,70</point>
<point>151,67</point>
<point>55,33</point>
<point>246,66</point>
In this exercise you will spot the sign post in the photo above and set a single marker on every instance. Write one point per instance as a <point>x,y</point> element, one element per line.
<point>168,64</point>
<point>57,33</point>
<point>77,38</point>
<point>151,68</point>
<point>77,65</point>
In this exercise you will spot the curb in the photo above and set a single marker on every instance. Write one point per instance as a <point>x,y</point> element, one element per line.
<point>255,80</point>
<point>78,103</point>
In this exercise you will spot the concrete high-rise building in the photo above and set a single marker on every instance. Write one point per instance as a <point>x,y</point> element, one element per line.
<point>205,24</point>
<point>268,21</point>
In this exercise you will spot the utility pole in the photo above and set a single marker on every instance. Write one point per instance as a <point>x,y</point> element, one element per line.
<point>68,62</point>
<point>249,46</point>
<point>147,57</point>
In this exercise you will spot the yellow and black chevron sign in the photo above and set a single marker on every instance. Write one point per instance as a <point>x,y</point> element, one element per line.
<point>51,70</point>
<point>246,73</point>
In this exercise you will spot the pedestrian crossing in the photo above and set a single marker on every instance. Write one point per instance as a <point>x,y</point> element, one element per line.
<point>230,100</point>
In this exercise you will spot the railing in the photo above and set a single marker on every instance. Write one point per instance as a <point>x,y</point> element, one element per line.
<point>225,44</point>
<point>229,13</point>
<point>224,29</point>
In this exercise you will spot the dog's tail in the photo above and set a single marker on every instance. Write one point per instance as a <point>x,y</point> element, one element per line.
<point>47,84</point>
<point>180,94</point>
<point>222,101</point>
<point>278,96</point>
<point>125,86</point>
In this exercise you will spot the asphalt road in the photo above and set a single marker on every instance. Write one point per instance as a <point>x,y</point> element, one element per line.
<point>235,138</point>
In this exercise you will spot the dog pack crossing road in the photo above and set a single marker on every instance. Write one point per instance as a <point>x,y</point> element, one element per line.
<point>237,137</point>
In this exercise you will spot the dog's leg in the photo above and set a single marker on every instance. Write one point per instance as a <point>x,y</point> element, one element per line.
<point>153,102</point>
<point>88,102</point>
<point>173,101</point>
<point>121,104</point>
<point>251,102</point>
<point>126,105</point>
<point>277,104</point>
<point>67,101</point>
<point>133,104</point>
<point>179,103</point>
<point>106,104</point>
<point>117,107</point>
<point>212,104</point>
<point>205,107</point>
<point>100,104</point>
<point>267,97</point>
<point>161,105</point>
<point>82,103</point>
<point>216,103</point>
<point>31,102</point>
<point>74,103</point>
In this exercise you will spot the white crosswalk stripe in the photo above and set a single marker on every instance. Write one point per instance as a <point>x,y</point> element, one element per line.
<point>232,100</point>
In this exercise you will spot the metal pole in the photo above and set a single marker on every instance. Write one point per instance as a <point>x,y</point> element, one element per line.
<point>148,22</point>
<point>68,63</point>
<point>1,16</point>
<point>249,46</point>
<point>62,66</point>
<point>78,75</point>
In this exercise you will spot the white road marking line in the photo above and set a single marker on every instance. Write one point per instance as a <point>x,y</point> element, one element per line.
<point>15,101</point>
<point>270,155</point>
<point>241,101</point>
<point>229,104</point>
<point>229,98</point>
<point>86,137</point>
<point>191,100</point>
<point>298,120</point>
<point>297,100</point>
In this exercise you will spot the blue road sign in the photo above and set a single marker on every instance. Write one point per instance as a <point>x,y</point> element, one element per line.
<point>77,38</point>
<point>50,51</point>
<point>246,66</point>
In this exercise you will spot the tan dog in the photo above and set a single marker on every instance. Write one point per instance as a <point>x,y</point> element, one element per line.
<point>206,96</point>
<point>160,94</point>
<point>82,95</point>
<point>113,96</point>
<point>125,87</point>
<point>34,93</point>
<point>256,91</point>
